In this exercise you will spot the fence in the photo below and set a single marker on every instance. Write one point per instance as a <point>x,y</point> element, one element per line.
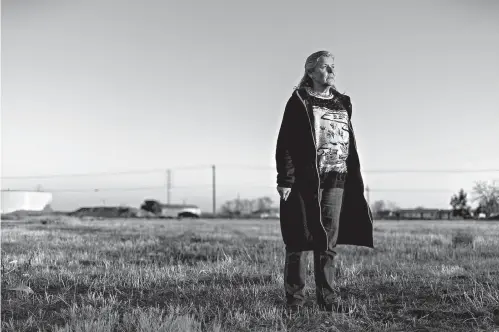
<point>209,186</point>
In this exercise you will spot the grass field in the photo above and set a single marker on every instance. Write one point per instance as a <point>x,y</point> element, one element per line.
<point>219,275</point>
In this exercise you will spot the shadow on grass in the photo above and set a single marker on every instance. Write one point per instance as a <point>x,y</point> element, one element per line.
<point>22,310</point>
<point>190,249</point>
<point>70,229</point>
<point>237,280</point>
<point>10,247</point>
<point>441,315</point>
<point>144,251</point>
<point>216,295</point>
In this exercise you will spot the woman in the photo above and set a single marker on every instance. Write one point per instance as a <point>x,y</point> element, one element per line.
<point>319,181</point>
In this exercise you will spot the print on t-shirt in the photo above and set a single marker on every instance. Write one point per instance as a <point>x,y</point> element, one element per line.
<point>332,134</point>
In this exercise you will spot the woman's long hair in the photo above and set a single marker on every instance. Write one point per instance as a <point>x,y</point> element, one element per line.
<point>310,64</point>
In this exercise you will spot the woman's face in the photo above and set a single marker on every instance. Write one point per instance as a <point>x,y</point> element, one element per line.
<point>323,73</point>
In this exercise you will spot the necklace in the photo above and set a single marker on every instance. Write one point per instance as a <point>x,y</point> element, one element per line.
<point>312,92</point>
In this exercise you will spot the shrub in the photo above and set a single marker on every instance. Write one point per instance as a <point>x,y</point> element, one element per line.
<point>462,239</point>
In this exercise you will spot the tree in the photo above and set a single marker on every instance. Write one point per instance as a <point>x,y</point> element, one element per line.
<point>245,207</point>
<point>236,207</point>
<point>263,203</point>
<point>392,206</point>
<point>377,207</point>
<point>151,206</point>
<point>48,209</point>
<point>459,203</point>
<point>487,197</point>
<point>229,208</point>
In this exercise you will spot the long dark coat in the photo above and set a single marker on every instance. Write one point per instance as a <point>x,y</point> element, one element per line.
<point>300,214</point>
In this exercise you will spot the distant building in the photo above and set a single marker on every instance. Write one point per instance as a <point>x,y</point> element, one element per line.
<point>428,214</point>
<point>270,213</point>
<point>384,214</point>
<point>106,212</point>
<point>180,210</point>
<point>18,200</point>
<point>421,214</point>
<point>416,214</point>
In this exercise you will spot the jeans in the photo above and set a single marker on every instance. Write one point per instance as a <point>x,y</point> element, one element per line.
<point>331,198</point>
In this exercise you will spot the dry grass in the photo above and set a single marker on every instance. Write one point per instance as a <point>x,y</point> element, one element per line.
<point>214,275</point>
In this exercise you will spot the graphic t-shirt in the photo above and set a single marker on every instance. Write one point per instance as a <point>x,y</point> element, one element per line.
<point>330,124</point>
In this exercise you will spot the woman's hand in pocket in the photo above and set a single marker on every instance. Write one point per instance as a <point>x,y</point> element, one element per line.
<point>283,192</point>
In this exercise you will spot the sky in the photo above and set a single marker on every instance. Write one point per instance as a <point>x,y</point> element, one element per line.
<point>108,86</point>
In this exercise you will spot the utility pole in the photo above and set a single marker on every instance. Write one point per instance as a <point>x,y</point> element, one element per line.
<point>168,185</point>
<point>238,204</point>
<point>367,196</point>
<point>214,193</point>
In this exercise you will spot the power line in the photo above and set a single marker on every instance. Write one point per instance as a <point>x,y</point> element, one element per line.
<point>48,176</point>
<point>260,167</point>
<point>432,171</point>
<point>110,189</point>
<point>247,167</point>
<point>96,190</point>
<point>218,185</point>
<point>413,190</point>
<point>236,166</point>
<point>143,171</point>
